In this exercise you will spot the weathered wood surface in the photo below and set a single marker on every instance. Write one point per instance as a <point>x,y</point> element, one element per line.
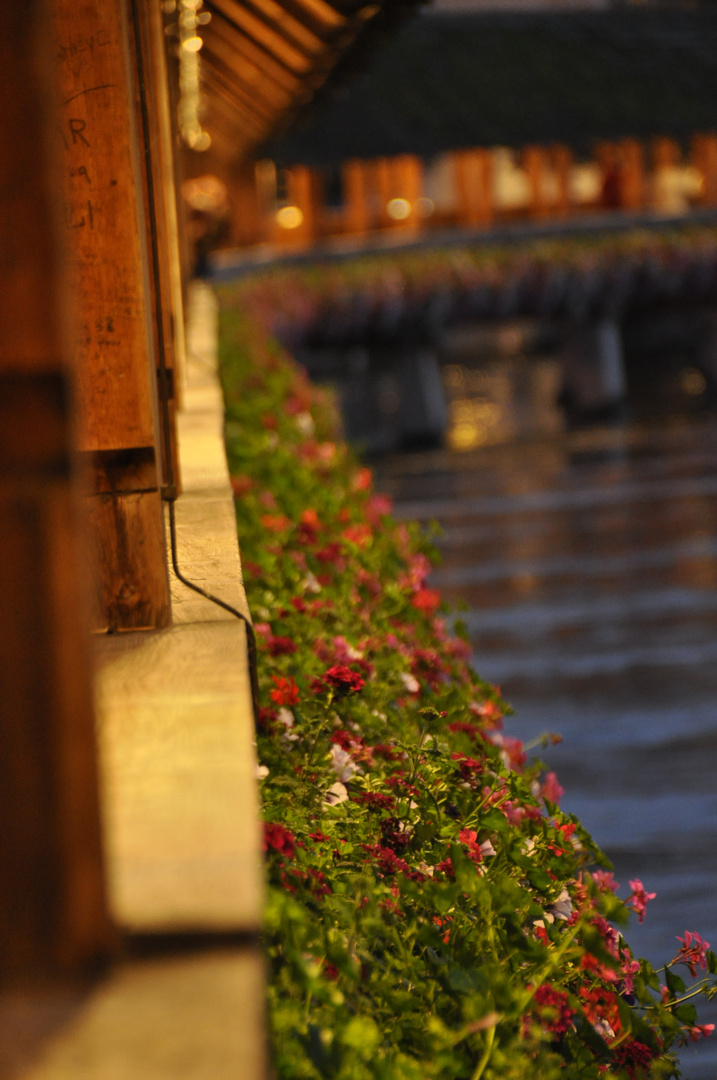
<point>52,906</point>
<point>106,215</point>
<point>176,727</point>
<point>196,1017</point>
<point>103,204</point>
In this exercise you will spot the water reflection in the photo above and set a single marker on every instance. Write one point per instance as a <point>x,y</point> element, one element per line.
<point>588,560</point>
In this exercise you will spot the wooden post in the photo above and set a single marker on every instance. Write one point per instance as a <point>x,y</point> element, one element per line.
<point>358,217</point>
<point>474,194</point>
<point>383,184</point>
<point>562,162</point>
<point>704,156</point>
<point>535,163</point>
<point>245,223</point>
<point>304,191</point>
<point>53,914</point>
<point>408,186</point>
<point>117,366</point>
<point>632,175</point>
<point>154,124</point>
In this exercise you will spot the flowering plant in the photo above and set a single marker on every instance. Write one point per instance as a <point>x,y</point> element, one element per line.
<point>431,912</point>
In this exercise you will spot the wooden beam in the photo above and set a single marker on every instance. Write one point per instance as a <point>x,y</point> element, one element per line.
<point>280,19</point>
<point>117,364</point>
<point>234,106</point>
<point>262,34</point>
<point>242,56</point>
<point>322,12</point>
<point>53,914</point>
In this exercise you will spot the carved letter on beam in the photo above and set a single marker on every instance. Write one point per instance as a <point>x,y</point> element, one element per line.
<point>117,367</point>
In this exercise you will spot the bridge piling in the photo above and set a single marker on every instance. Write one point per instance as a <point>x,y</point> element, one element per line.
<point>594,379</point>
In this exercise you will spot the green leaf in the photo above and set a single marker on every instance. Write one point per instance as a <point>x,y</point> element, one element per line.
<point>361,1033</point>
<point>674,983</point>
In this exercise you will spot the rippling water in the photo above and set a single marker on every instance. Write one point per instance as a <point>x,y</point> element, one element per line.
<point>589,565</point>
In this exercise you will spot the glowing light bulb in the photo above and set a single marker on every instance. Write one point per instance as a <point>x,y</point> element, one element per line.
<point>399,209</point>
<point>289,217</point>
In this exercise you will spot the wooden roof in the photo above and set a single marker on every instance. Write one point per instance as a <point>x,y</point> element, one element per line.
<point>264,61</point>
<point>449,81</point>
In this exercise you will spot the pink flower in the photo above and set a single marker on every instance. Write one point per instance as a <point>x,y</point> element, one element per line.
<point>605,880</point>
<point>693,952</point>
<point>700,1031</point>
<point>629,969</point>
<point>638,899</point>
<point>551,789</point>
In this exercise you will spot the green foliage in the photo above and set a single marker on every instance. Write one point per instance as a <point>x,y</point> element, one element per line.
<point>430,911</point>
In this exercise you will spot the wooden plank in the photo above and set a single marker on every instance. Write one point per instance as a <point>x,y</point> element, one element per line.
<point>53,913</point>
<point>106,220</point>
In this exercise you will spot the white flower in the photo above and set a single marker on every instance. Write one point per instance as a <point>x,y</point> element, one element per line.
<point>286,717</point>
<point>262,771</point>
<point>412,684</point>
<point>603,1029</point>
<point>562,908</point>
<point>310,584</point>
<point>336,794</point>
<point>487,849</point>
<point>426,869</point>
<point>305,423</point>
<point>342,763</point>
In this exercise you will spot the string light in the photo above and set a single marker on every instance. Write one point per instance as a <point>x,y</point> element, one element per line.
<point>189,109</point>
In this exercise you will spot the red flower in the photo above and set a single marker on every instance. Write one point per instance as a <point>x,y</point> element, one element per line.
<point>552,1005</point>
<point>309,527</point>
<point>426,600</point>
<point>634,1057</point>
<point>362,480</point>
<point>275,522</point>
<point>281,646</point>
<point>241,485</point>
<point>286,692</point>
<point>331,554</point>
<point>360,535</point>
<point>339,678</point>
<point>278,838</point>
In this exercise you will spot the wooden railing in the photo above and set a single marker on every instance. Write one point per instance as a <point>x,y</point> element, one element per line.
<point>469,188</point>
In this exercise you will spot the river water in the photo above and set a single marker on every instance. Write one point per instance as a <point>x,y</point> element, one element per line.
<point>588,563</point>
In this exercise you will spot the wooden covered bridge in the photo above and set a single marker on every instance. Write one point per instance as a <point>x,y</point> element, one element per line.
<point>131,882</point>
